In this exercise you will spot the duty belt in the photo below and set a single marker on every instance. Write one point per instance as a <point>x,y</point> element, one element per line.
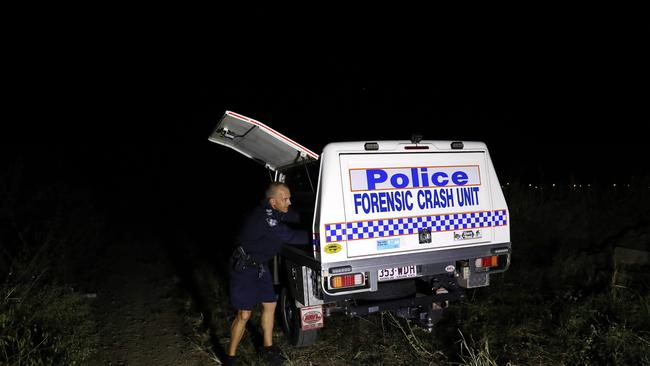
<point>241,260</point>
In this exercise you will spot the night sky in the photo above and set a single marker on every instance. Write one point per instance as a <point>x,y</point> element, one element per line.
<point>128,116</point>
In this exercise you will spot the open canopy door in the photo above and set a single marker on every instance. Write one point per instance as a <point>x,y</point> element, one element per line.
<point>259,142</point>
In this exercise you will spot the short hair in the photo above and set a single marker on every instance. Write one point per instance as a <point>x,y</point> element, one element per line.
<point>272,189</point>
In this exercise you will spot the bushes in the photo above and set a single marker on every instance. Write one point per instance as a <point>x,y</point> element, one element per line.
<point>562,302</point>
<point>44,325</point>
<point>559,303</point>
<point>602,330</point>
<point>49,235</point>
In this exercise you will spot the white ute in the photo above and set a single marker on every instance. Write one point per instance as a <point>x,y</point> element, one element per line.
<point>402,226</point>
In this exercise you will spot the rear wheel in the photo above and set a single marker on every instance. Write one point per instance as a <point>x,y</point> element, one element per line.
<point>290,319</point>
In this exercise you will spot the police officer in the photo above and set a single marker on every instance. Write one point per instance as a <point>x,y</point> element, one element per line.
<point>261,237</point>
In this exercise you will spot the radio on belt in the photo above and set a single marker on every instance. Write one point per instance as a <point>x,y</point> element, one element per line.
<point>404,225</point>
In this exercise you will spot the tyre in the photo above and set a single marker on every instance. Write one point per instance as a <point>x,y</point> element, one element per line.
<point>290,319</point>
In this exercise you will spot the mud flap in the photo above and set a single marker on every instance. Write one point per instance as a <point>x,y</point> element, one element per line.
<point>311,317</point>
<point>474,280</point>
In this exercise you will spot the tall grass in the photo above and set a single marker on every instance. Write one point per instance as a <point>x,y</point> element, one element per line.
<point>472,355</point>
<point>47,230</point>
<point>44,325</point>
<point>562,302</point>
<point>558,303</point>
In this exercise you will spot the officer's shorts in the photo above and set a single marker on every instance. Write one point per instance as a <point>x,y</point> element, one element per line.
<point>246,290</point>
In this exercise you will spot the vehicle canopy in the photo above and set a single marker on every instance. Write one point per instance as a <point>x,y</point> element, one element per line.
<point>398,197</point>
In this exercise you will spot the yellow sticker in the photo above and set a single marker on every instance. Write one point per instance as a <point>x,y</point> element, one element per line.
<point>333,248</point>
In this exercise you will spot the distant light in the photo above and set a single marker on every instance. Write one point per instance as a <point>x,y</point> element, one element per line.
<point>553,184</point>
<point>508,183</point>
<point>614,184</point>
<point>575,185</point>
<point>530,185</point>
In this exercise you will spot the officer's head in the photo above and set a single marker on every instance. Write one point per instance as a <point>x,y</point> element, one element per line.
<point>279,196</point>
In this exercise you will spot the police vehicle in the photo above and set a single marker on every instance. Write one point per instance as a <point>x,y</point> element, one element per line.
<point>402,226</point>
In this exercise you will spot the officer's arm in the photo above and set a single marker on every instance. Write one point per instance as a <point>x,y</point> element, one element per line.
<point>289,235</point>
<point>292,216</point>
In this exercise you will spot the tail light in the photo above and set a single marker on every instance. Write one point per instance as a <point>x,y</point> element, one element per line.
<point>348,280</point>
<point>486,262</point>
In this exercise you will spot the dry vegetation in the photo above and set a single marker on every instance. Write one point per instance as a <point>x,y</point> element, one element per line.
<point>566,300</point>
<point>48,240</point>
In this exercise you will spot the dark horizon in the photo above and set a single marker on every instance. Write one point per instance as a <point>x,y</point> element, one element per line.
<point>141,137</point>
<point>537,133</point>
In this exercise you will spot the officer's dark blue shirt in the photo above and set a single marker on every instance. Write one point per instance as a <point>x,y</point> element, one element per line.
<point>262,235</point>
<point>265,230</point>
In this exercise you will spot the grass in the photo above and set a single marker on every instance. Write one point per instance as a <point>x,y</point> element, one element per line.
<point>563,301</point>
<point>559,304</point>
<point>472,355</point>
<point>45,325</point>
<point>45,317</point>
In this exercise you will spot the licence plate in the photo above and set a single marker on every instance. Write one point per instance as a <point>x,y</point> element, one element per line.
<point>397,273</point>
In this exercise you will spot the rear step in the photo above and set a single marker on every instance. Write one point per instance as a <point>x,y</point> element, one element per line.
<point>421,300</point>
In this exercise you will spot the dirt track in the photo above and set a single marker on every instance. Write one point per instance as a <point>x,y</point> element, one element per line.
<point>139,320</point>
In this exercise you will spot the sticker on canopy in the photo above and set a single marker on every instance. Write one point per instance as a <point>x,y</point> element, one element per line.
<point>388,244</point>
<point>468,234</point>
<point>332,248</point>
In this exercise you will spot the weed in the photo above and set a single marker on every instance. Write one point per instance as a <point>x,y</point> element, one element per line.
<point>48,233</point>
<point>557,305</point>
<point>475,356</point>
<point>45,325</point>
<point>416,344</point>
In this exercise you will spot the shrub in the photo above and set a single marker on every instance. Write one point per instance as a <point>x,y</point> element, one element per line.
<point>44,325</point>
<point>49,235</point>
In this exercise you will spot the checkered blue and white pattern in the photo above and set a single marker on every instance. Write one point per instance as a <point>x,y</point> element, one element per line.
<point>411,225</point>
<point>500,218</point>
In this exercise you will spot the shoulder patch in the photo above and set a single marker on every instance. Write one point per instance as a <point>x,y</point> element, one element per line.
<point>271,222</point>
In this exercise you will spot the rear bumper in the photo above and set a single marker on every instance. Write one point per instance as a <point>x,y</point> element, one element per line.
<point>308,277</point>
<point>428,264</point>
<point>420,300</point>
<point>434,261</point>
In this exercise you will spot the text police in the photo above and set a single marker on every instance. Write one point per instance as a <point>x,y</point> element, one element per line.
<point>450,187</point>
